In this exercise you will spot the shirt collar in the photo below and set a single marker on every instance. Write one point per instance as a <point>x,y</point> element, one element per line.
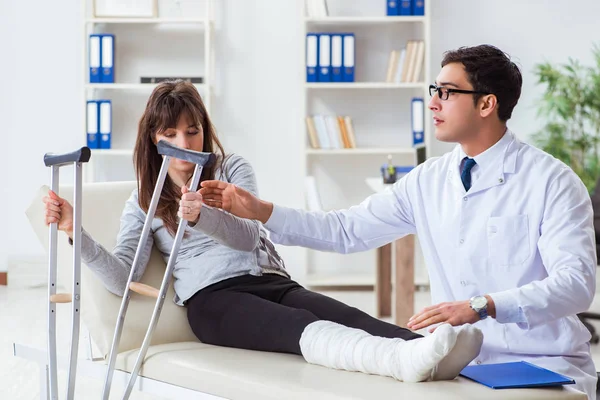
<point>489,156</point>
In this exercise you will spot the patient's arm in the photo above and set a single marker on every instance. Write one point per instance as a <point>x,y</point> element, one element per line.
<point>225,228</point>
<point>113,268</point>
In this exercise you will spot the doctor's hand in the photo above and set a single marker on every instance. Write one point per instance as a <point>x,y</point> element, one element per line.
<point>455,313</point>
<point>235,200</point>
<point>189,205</point>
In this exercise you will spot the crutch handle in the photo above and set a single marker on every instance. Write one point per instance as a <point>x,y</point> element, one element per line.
<point>144,289</point>
<point>61,298</point>
<point>82,155</point>
<point>203,159</point>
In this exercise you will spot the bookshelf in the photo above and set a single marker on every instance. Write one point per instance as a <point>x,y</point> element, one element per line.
<point>175,43</point>
<point>380,113</point>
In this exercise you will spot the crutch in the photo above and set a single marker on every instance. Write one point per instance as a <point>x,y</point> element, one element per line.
<point>55,161</point>
<point>168,151</point>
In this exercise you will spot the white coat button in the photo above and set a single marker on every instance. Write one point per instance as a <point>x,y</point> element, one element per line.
<point>465,199</point>
<point>478,362</point>
<point>462,241</point>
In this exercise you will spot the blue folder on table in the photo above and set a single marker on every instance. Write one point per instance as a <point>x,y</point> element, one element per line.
<point>514,375</point>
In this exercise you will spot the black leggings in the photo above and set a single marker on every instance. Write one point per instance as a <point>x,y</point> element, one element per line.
<point>270,312</point>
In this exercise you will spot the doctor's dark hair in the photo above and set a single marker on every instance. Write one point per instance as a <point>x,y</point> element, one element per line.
<point>490,70</point>
<point>167,103</point>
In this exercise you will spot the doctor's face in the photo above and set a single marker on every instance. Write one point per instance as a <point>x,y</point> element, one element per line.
<point>455,116</point>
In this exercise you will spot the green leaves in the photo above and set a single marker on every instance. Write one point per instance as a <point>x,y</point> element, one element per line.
<point>571,107</point>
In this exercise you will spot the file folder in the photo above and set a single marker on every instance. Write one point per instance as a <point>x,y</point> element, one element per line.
<point>94,58</point>
<point>336,58</point>
<point>405,7</point>
<point>418,120</point>
<point>519,374</point>
<point>105,128</point>
<point>324,57</point>
<point>348,56</point>
<point>108,58</point>
<point>93,124</point>
<point>418,7</point>
<point>312,56</point>
<point>392,7</point>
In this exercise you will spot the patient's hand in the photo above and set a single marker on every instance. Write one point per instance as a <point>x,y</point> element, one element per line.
<point>235,200</point>
<point>58,210</point>
<point>190,205</point>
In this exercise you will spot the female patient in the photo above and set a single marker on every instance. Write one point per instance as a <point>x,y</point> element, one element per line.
<point>229,275</point>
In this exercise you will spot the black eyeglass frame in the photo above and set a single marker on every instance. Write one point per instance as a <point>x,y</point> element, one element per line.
<point>438,89</point>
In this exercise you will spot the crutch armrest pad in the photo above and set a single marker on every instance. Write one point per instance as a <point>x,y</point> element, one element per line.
<point>203,159</point>
<point>82,155</point>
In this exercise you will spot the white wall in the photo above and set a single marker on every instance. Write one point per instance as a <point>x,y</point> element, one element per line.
<point>256,117</point>
<point>531,32</point>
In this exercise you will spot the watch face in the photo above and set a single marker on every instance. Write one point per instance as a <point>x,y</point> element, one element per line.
<point>479,302</point>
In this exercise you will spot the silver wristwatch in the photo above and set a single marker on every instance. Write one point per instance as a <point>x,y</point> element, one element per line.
<point>479,305</point>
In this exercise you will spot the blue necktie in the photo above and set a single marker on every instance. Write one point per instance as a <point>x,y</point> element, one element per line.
<point>465,175</point>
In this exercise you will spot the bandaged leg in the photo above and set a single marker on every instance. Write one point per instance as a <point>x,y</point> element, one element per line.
<point>468,344</point>
<point>337,346</point>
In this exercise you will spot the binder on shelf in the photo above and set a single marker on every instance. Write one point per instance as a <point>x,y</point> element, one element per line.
<point>334,135</point>
<point>350,132</point>
<point>93,125</point>
<point>322,131</point>
<point>405,7</point>
<point>312,57</point>
<point>418,7</point>
<point>94,55</point>
<point>107,51</point>
<point>418,121</point>
<point>336,58</point>
<point>392,7</point>
<point>313,137</point>
<point>190,79</point>
<point>348,57</point>
<point>324,60</point>
<point>400,66</point>
<point>105,125</point>
<point>317,8</point>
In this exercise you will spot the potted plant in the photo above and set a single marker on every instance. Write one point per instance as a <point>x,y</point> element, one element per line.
<point>571,107</point>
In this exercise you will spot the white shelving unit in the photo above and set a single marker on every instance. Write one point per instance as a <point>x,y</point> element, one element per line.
<point>357,270</point>
<point>202,26</point>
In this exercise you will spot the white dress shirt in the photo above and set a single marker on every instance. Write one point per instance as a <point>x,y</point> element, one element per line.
<point>523,234</point>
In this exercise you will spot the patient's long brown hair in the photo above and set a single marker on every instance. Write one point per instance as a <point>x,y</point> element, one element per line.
<point>166,104</point>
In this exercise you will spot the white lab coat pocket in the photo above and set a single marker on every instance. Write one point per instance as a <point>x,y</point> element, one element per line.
<point>508,240</point>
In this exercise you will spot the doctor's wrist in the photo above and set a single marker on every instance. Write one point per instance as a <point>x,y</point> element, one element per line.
<point>491,307</point>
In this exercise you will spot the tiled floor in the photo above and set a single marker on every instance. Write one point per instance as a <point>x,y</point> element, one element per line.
<point>23,316</point>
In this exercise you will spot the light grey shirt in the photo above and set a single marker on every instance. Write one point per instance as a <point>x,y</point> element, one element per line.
<point>219,246</point>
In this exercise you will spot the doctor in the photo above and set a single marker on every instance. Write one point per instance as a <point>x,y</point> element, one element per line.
<point>506,229</point>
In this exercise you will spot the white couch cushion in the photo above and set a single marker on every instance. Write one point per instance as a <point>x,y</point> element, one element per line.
<point>249,375</point>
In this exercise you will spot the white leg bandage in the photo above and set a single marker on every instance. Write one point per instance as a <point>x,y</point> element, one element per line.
<point>336,346</point>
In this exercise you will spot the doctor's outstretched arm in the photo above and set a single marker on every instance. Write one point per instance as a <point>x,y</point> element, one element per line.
<point>380,219</point>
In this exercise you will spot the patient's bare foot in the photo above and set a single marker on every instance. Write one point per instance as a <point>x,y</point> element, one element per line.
<point>467,347</point>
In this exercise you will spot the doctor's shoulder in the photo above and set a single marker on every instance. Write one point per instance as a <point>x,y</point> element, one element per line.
<point>544,166</point>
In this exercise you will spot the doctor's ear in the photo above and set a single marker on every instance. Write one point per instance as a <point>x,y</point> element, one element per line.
<point>487,104</point>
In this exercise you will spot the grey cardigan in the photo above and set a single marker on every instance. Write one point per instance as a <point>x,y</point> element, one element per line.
<point>218,247</point>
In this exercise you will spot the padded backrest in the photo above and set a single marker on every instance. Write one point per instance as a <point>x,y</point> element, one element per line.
<point>102,207</point>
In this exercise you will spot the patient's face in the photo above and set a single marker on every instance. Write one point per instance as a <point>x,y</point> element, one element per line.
<point>186,135</point>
